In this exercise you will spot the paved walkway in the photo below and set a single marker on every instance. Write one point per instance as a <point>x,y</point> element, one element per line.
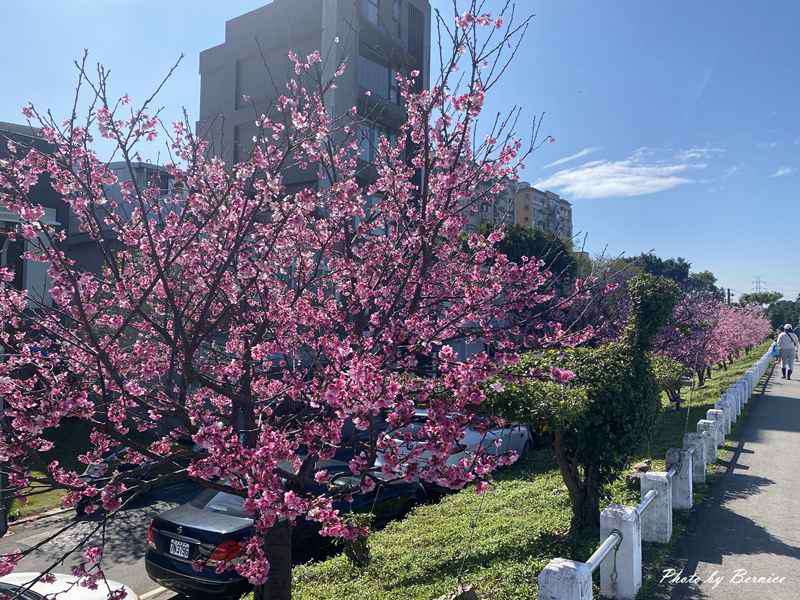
<point>744,543</point>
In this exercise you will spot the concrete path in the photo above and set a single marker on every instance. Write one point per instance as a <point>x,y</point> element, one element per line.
<point>744,542</point>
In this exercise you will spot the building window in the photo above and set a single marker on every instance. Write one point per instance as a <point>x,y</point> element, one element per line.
<point>416,31</point>
<point>11,253</point>
<point>237,85</point>
<point>370,137</point>
<point>378,79</point>
<point>370,10</point>
<point>397,7</point>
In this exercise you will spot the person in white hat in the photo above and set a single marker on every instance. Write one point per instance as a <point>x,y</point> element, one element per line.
<point>787,346</point>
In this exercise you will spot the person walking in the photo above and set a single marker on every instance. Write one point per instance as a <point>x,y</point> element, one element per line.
<point>787,346</point>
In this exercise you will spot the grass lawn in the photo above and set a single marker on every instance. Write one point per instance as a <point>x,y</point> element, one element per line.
<point>46,499</point>
<point>500,541</point>
<point>70,439</point>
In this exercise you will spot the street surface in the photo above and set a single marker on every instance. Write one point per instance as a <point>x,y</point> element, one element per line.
<point>125,540</point>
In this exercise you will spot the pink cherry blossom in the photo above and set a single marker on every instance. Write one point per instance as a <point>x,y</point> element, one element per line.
<point>268,322</point>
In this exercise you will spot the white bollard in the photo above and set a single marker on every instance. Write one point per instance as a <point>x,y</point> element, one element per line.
<point>564,579</point>
<point>657,518</point>
<point>628,559</point>
<point>681,461</point>
<point>727,410</point>
<point>709,427</point>
<point>695,442</point>
<point>718,417</point>
<point>743,391</point>
<point>730,396</point>
<point>737,400</point>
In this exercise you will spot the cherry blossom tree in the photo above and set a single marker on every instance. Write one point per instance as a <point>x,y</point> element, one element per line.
<point>738,328</point>
<point>262,321</point>
<point>705,331</point>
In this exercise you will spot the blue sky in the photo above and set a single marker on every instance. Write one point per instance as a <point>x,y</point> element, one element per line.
<point>677,124</point>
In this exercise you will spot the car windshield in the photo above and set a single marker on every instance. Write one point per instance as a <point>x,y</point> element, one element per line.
<point>221,502</point>
<point>8,590</point>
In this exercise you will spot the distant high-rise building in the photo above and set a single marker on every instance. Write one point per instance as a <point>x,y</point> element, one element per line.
<point>524,205</point>
<point>546,210</point>
<point>378,38</point>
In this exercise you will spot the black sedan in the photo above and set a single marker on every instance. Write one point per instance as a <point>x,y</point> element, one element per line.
<point>145,473</point>
<point>211,528</point>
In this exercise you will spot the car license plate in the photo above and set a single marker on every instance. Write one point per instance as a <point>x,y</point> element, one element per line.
<point>179,548</point>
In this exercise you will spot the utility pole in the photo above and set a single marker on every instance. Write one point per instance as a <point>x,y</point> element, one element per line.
<point>729,296</point>
<point>759,285</point>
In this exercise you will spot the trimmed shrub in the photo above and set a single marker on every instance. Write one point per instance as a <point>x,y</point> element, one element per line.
<point>600,417</point>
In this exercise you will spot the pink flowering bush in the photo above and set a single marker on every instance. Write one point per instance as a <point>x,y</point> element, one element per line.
<point>261,320</point>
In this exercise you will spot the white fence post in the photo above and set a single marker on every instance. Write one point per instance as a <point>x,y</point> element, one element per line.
<point>622,528</point>
<point>657,519</point>
<point>742,391</point>
<point>681,462</point>
<point>708,427</point>
<point>718,417</point>
<point>725,406</point>
<point>621,573</point>
<point>564,579</point>
<point>695,442</point>
<point>733,398</point>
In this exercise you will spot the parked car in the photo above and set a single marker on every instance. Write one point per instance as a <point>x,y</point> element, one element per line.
<point>479,435</point>
<point>65,587</point>
<point>99,473</point>
<point>211,528</point>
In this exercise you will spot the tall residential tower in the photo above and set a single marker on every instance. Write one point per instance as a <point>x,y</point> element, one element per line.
<point>378,39</point>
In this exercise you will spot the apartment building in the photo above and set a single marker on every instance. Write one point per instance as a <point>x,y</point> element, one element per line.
<point>241,77</point>
<point>32,275</point>
<point>543,209</point>
<point>522,204</point>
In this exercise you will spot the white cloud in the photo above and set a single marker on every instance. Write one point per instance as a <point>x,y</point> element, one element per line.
<point>571,157</point>
<point>698,153</point>
<point>784,172</point>
<point>636,175</point>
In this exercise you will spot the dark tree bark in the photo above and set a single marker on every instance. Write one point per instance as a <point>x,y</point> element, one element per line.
<point>278,546</point>
<point>584,491</point>
<point>701,377</point>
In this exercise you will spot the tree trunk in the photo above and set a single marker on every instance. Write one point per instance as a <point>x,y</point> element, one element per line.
<point>584,494</point>
<point>701,377</point>
<point>586,513</point>
<point>278,547</point>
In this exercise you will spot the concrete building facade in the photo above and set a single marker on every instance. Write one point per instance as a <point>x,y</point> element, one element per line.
<point>241,77</point>
<point>526,206</point>
<point>28,275</point>
<point>543,209</point>
<point>32,275</point>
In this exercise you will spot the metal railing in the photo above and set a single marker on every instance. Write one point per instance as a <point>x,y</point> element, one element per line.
<point>628,526</point>
<point>613,540</point>
<point>646,501</point>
